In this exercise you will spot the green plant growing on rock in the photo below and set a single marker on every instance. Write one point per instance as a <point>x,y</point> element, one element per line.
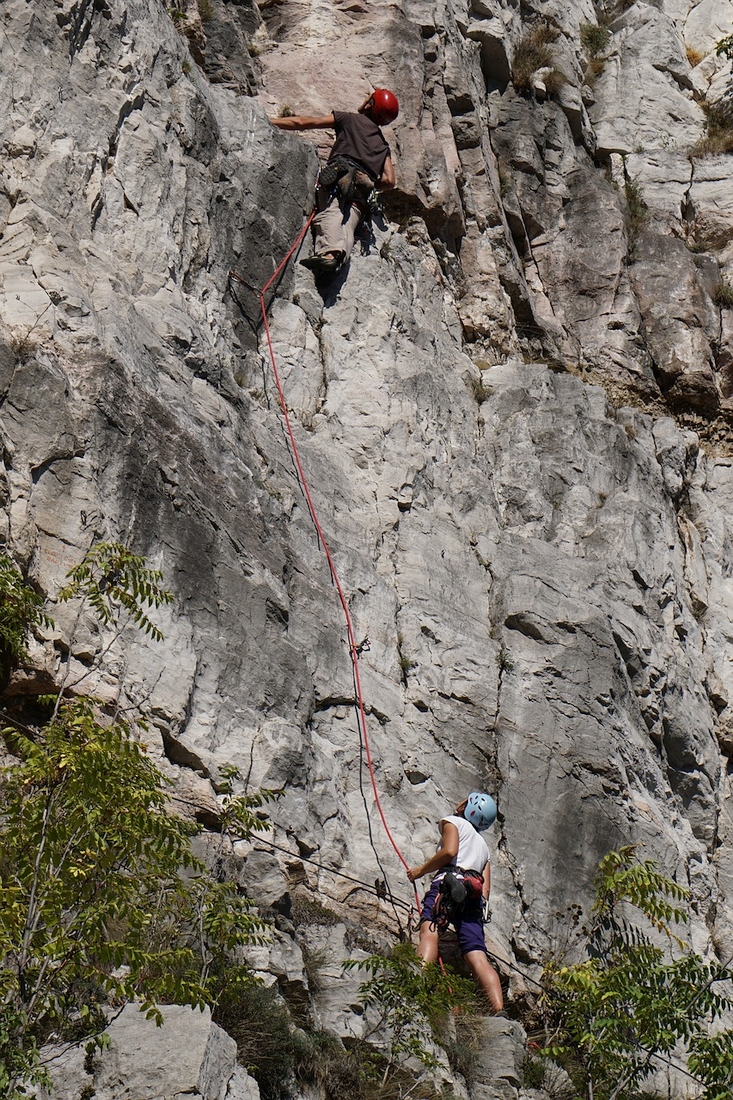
<point>412,1001</point>
<point>506,661</point>
<point>719,135</point>
<point>321,1059</point>
<point>697,247</point>
<point>543,1073</point>
<point>266,1041</point>
<point>725,47</point>
<point>724,295</point>
<point>632,1000</point>
<point>307,911</point>
<point>23,348</point>
<point>594,38</point>
<point>178,17</point>
<point>533,52</point>
<point>21,610</point>
<point>637,209</point>
<point>101,899</point>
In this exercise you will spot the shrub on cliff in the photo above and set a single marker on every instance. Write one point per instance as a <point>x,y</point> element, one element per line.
<point>21,609</point>
<point>631,1003</point>
<point>725,46</point>
<point>594,38</point>
<point>102,900</point>
<point>533,52</point>
<point>411,1002</point>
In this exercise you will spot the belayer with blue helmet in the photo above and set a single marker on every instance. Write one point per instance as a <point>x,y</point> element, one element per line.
<point>460,890</point>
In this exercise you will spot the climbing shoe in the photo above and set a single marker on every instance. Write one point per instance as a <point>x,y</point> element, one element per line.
<point>326,264</point>
<point>456,889</point>
<point>331,173</point>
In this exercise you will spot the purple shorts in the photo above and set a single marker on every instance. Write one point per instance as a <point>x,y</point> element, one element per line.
<point>470,927</point>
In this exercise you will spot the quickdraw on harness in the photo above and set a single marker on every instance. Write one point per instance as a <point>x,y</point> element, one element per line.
<point>349,178</point>
<point>456,889</point>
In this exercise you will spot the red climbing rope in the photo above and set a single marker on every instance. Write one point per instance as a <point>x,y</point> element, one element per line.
<point>353,648</point>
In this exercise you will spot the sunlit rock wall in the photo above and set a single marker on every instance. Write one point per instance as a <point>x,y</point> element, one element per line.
<point>511,410</point>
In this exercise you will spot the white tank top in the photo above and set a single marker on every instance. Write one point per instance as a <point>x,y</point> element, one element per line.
<point>473,851</point>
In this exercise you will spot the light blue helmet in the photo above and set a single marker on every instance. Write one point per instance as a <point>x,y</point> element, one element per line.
<point>480,810</point>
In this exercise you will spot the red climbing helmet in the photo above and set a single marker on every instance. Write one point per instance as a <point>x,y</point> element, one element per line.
<point>384,107</point>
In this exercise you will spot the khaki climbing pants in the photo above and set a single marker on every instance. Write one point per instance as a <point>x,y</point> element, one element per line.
<point>335,224</point>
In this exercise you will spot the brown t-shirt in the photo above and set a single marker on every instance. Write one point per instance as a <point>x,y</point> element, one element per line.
<point>361,139</point>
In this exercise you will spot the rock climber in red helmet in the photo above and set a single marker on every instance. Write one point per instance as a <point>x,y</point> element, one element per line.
<point>359,161</point>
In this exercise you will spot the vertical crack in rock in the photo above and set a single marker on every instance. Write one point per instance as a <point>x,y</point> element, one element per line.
<point>81,17</point>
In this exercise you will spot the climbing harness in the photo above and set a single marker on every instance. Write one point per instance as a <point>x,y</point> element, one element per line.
<point>457,887</point>
<point>348,178</point>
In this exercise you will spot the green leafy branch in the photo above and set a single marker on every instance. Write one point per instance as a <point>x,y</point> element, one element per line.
<point>111,578</point>
<point>101,898</point>
<point>21,610</point>
<point>242,813</point>
<point>412,999</point>
<point>622,877</point>
<point>628,1002</point>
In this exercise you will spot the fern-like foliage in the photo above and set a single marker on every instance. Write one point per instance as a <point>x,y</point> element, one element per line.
<point>632,999</point>
<point>412,999</point>
<point>21,609</point>
<point>111,579</point>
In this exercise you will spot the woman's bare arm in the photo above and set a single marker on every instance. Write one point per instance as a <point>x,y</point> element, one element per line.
<point>445,855</point>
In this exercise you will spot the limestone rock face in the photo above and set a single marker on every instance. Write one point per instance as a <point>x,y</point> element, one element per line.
<point>493,406</point>
<point>188,1056</point>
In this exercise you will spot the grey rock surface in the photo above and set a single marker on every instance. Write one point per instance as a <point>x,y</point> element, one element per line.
<point>499,1061</point>
<point>187,1056</point>
<point>493,408</point>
